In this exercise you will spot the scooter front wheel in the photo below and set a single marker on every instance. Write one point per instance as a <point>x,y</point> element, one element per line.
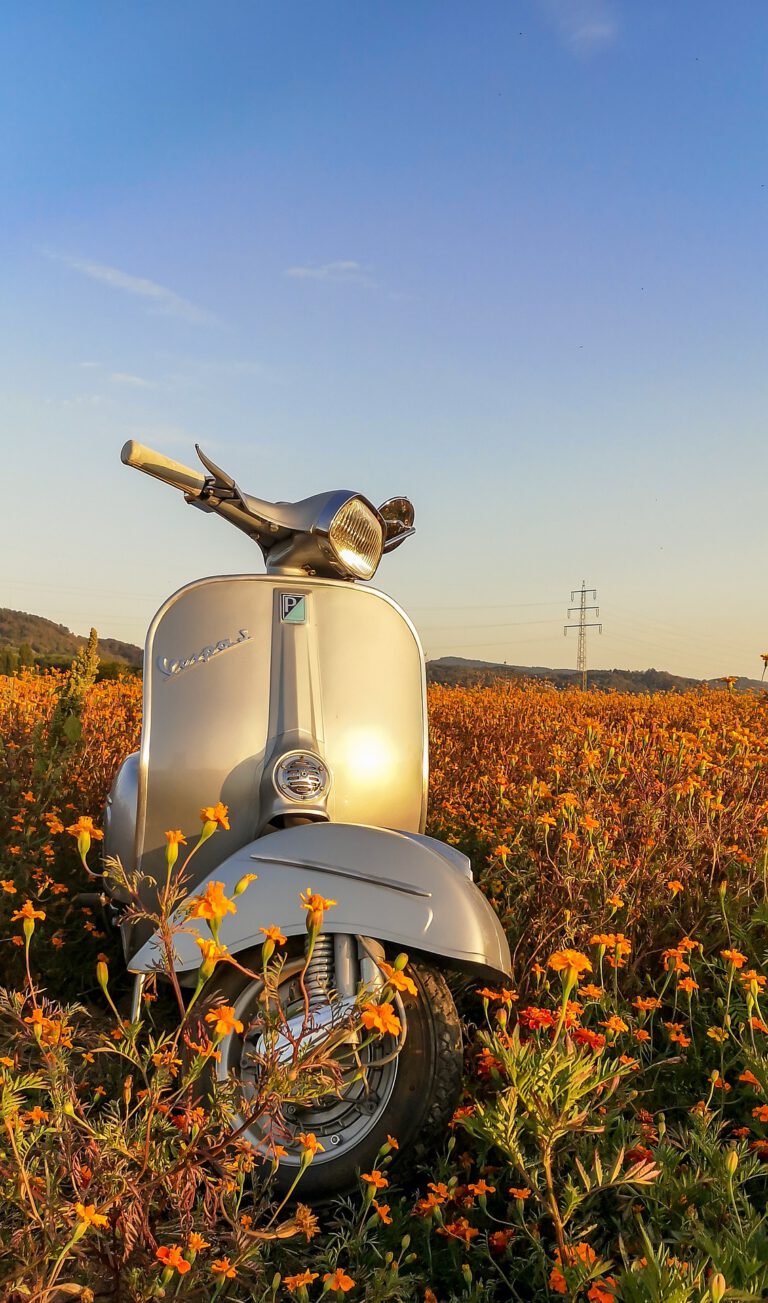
<point>410,1094</point>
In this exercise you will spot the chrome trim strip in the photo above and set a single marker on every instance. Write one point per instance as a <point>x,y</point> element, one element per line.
<point>392,883</point>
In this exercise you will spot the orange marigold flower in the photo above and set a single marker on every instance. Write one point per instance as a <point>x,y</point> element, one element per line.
<point>175,838</point>
<point>293,1283</point>
<point>645,1004</point>
<point>615,902</point>
<point>590,991</point>
<point>310,1143</point>
<point>761,1113</point>
<point>398,980</point>
<point>688,985</point>
<point>381,1018</point>
<point>753,979</point>
<point>338,1280</point>
<point>216,814</point>
<point>480,1188</point>
<point>224,1020</point>
<point>392,1142</point>
<point>8,886</point>
<point>459,1229</point>
<point>223,1267</point>
<point>585,1036</point>
<point>197,1243</point>
<point>274,935</point>
<point>734,957</point>
<point>518,1192</point>
<point>615,1024</point>
<point>640,1034</point>
<point>382,1209</point>
<point>85,825</point>
<point>212,904</point>
<point>570,961</point>
<point>499,1240</point>
<point>681,1039</point>
<point>315,905</point>
<point>375,1178</point>
<point>600,1293</point>
<point>171,1257</point>
<point>557,1281</point>
<point>675,886</point>
<point>36,1114</point>
<point>750,1079</point>
<point>28,912</point>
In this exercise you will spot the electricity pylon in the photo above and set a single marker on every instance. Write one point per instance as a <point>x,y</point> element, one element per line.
<point>582,626</point>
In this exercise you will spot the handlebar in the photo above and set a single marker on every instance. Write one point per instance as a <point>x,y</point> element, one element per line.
<point>154,463</point>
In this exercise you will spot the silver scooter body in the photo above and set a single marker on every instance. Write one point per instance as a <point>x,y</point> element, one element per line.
<point>300,702</point>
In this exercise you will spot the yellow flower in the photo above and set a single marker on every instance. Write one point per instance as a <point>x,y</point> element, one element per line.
<point>212,952</point>
<point>88,1215</point>
<point>718,1034</point>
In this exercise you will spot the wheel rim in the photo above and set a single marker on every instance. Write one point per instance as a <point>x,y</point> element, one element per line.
<point>339,1122</point>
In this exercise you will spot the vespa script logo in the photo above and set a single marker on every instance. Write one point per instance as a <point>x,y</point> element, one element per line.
<point>169,668</point>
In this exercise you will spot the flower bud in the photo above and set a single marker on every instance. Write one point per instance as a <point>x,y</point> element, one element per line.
<point>731,1162</point>
<point>102,975</point>
<point>717,1287</point>
<point>244,882</point>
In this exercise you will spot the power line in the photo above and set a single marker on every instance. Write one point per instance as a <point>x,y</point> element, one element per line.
<point>582,626</point>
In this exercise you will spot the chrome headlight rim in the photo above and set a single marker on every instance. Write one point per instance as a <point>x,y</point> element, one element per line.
<point>317,780</point>
<point>355,562</point>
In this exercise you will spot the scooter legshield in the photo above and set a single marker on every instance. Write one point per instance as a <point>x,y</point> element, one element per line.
<point>399,887</point>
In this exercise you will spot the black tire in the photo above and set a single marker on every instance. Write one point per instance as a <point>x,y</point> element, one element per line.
<point>423,1096</point>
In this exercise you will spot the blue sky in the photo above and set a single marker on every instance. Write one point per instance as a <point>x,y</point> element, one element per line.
<point>507,258</point>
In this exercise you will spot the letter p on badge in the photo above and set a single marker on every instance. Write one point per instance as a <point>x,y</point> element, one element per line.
<point>293,608</point>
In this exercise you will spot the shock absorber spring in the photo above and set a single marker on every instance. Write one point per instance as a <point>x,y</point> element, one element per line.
<point>318,978</point>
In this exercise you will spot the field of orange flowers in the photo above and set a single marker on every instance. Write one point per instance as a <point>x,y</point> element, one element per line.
<point>612,1140</point>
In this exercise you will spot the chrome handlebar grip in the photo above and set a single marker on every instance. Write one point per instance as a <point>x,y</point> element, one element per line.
<point>154,463</point>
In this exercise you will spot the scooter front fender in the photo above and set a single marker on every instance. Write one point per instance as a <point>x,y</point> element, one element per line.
<point>399,887</point>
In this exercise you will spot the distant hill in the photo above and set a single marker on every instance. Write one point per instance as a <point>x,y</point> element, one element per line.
<point>53,643</point>
<point>458,671</point>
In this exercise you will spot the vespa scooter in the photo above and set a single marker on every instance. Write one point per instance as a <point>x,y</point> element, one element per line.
<point>298,698</point>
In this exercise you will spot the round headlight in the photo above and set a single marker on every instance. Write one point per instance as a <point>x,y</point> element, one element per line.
<point>357,538</point>
<point>301,776</point>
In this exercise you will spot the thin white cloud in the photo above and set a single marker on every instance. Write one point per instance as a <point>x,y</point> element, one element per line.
<point>161,300</point>
<point>339,272</point>
<point>585,26</point>
<point>135,382</point>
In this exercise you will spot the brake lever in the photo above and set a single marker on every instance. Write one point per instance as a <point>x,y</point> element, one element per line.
<point>219,483</point>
